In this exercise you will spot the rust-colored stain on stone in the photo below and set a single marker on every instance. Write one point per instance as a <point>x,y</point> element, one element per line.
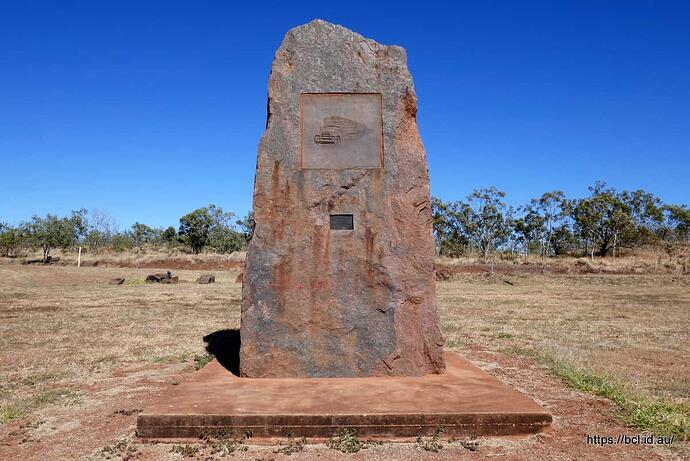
<point>322,302</point>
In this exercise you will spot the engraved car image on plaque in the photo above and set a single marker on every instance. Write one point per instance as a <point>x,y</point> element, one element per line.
<point>341,131</point>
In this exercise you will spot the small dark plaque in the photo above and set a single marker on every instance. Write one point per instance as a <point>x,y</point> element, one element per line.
<point>342,222</point>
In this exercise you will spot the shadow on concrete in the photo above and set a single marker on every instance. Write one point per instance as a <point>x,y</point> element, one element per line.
<point>225,346</point>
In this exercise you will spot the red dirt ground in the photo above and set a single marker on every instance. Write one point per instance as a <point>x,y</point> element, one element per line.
<point>80,432</point>
<point>110,405</point>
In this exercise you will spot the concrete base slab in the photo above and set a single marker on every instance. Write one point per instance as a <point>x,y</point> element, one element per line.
<point>463,401</point>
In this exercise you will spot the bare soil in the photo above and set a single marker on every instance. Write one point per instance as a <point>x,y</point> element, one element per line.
<point>79,358</point>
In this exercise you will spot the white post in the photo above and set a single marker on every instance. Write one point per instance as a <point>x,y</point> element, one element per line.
<point>79,258</point>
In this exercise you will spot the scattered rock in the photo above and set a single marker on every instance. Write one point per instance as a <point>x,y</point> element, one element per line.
<point>205,279</point>
<point>116,281</point>
<point>162,278</point>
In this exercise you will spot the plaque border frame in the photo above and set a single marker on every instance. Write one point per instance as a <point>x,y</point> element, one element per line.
<point>338,93</point>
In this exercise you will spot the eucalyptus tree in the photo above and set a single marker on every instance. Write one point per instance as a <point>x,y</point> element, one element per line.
<point>529,227</point>
<point>11,238</point>
<point>484,219</point>
<point>211,226</point>
<point>53,232</point>
<point>550,208</point>
<point>677,218</point>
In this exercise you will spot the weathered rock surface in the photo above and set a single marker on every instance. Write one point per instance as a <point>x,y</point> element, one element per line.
<point>330,303</point>
<point>205,279</point>
<point>163,277</point>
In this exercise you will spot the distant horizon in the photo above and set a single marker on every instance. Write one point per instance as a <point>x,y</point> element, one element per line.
<point>151,111</point>
<point>175,224</point>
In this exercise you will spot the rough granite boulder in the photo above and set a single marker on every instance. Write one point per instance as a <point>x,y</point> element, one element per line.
<point>205,279</point>
<point>163,277</point>
<point>339,278</point>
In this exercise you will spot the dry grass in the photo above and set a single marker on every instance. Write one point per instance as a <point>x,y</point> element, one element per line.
<point>652,260</point>
<point>671,260</point>
<point>631,329</point>
<point>65,327</point>
<point>65,332</point>
<point>145,258</point>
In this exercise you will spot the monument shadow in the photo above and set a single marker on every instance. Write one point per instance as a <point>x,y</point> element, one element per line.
<point>225,346</point>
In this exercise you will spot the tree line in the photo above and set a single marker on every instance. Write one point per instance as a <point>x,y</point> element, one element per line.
<point>205,228</point>
<point>603,223</point>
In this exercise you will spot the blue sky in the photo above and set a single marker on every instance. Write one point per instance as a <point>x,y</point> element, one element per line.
<point>150,109</point>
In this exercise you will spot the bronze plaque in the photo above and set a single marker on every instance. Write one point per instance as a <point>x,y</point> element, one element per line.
<point>341,131</point>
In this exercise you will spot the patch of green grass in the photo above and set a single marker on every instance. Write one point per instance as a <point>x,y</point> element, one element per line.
<point>200,361</point>
<point>54,396</point>
<point>180,357</point>
<point>44,377</point>
<point>347,442</point>
<point>518,351</point>
<point>14,295</point>
<point>10,413</point>
<point>504,335</point>
<point>659,416</point>
<point>46,398</point>
<point>452,343</point>
<point>135,282</point>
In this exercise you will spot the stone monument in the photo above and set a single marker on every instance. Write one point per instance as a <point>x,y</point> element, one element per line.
<point>339,278</point>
